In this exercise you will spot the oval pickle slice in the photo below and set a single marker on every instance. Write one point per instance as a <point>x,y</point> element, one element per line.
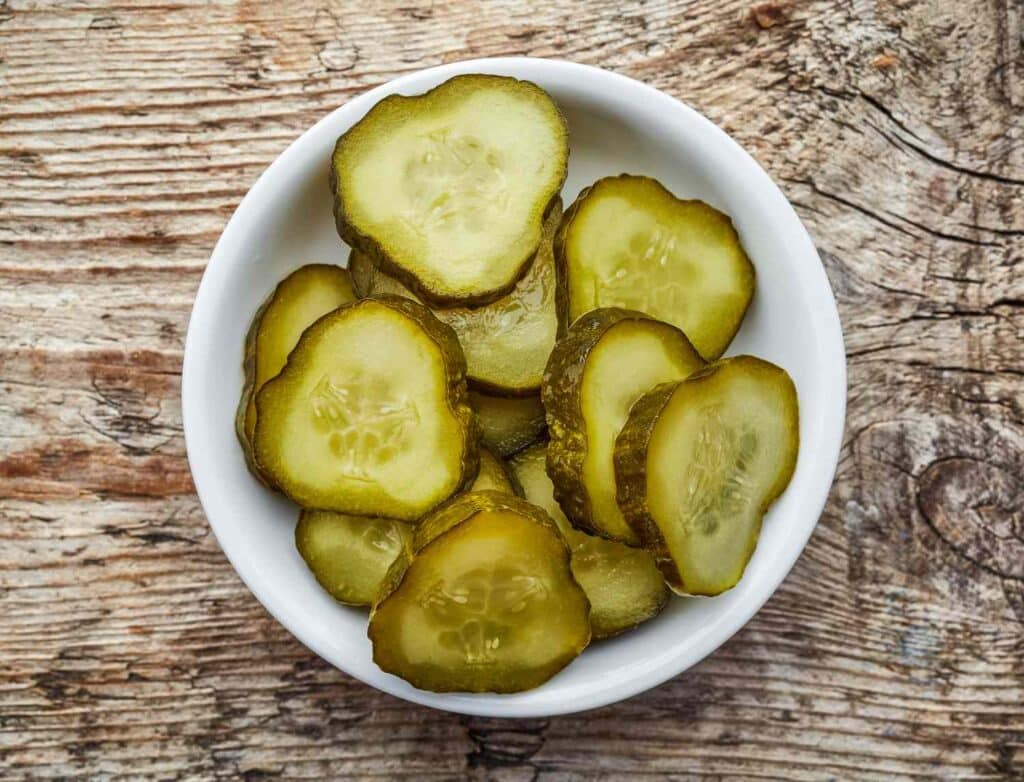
<point>506,342</point>
<point>628,242</point>
<point>298,300</point>
<point>509,424</point>
<point>608,359</point>
<point>350,555</point>
<point>486,603</point>
<point>698,464</point>
<point>622,583</point>
<point>369,416</point>
<point>448,190</point>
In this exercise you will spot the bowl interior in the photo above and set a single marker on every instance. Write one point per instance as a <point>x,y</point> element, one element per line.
<point>616,125</point>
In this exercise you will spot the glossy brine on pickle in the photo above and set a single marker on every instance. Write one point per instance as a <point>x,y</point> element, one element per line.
<point>448,190</point>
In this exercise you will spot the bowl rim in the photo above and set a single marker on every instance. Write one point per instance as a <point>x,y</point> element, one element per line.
<point>827,322</point>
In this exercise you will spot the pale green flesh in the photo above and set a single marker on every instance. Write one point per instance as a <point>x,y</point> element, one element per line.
<point>633,245</point>
<point>362,417</point>
<point>623,584</point>
<point>350,555</point>
<point>509,423</point>
<point>630,359</point>
<point>299,300</point>
<point>716,456</point>
<point>453,185</point>
<point>488,606</point>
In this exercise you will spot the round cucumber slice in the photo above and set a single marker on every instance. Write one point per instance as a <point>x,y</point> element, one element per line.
<point>350,555</point>
<point>506,342</point>
<point>628,242</point>
<point>509,423</point>
<point>608,359</point>
<point>699,462</point>
<point>622,583</point>
<point>369,416</point>
<point>448,190</point>
<point>486,603</point>
<point>297,301</point>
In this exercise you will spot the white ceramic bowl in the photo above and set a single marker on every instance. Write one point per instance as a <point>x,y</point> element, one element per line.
<point>616,125</point>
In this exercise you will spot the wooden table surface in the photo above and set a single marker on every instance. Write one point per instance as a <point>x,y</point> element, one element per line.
<point>129,131</point>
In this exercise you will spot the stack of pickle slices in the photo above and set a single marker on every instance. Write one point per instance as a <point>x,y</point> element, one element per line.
<point>510,430</point>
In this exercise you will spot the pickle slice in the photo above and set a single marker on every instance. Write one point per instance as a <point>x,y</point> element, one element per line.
<point>509,424</point>
<point>607,360</point>
<point>622,583</point>
<point>297,301</point>
<point>528,467</point>
<point>494,475</point>
<point>369,416</point>
<point>350,555</point>
<point>506,342</point>
<point>628,242</point>
<point>486,603</point>
<point>699,462</point>
<point>447,190</point>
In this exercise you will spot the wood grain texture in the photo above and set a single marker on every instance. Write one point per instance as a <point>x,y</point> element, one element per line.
<point>128,647</point>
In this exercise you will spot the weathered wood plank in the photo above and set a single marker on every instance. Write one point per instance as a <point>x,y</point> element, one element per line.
<point>128,647</point>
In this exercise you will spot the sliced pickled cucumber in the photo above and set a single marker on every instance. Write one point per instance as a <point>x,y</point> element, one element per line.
<point>628,242</point>
<point>369,416</point>
<point>447,190</point>
<point>494,475</point>
<point>297,301</point>
<point>350,555</point>
<point>607,360</point>
<point>486,603</point>
<point>528,467</point>
<point>623,584</point>
<point>509,424</point>
<point>507,342</point>
<point>368,280</point>
<point>700,461</point>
